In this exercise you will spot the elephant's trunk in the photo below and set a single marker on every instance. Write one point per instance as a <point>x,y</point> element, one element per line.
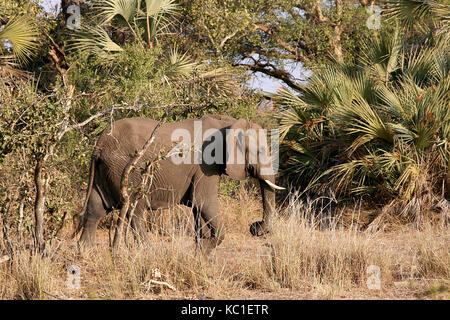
<point>264,226</point>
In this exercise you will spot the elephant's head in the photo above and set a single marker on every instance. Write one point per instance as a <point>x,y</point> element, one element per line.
<point>247,154</point>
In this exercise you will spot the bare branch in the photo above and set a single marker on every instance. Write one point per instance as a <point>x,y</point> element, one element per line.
<point>366,3</point>
<point>274,72</point>
<point>286,46</point>
<point>319,14</point>
<point>87,121</point>
<point>161,283</point>
<point>299,56</point>
<point>124,186</point>
<point>228,37</point>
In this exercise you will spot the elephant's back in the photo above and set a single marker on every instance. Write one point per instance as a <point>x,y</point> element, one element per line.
<point>123,138</point>
<point>134,126</point>
<point>124,129</point>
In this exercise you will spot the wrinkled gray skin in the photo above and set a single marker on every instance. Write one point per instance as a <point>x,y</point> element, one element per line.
<point>193,185</point>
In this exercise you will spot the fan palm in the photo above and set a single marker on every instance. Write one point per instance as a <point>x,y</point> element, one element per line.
<point>419,15</point>
<point>153,16</point>
<point>18,43</point>
<point>374,127</point>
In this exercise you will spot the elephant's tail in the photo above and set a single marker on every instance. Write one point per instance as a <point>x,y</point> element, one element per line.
<point>78,218</point>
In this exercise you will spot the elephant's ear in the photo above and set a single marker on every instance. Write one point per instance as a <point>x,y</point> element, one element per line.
<point>235,150</point>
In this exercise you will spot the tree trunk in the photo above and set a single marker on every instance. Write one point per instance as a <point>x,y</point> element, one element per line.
<point>447,184</point>
<point>19,225</point>
<point>41,183</point>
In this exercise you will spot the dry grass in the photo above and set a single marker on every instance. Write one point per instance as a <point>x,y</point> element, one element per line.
<point>304,258</point>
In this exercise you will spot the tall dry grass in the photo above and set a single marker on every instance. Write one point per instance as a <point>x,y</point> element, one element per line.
<point>310,254</point>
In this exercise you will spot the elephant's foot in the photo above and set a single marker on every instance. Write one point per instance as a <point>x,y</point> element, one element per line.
<point>259,228</point>
<point>206,245</point>
<point>86,241</point>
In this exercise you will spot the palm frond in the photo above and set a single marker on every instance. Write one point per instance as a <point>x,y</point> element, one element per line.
<point>407,183</point>
<point>403,133</point>
<point>96,41</point>
<point>441,60</point>
<point>393,102</point>
<point>363,84</point>
<point>291,119</point>
<point>363,120</point>
<point>386,121</point>
<point>286,98</point>
<point>220,80</point>
<point>126,9</point>
<point>420,65</point>
<point>414,14</point>
<point>158,7</point>
<point>383,56</point>
<point>23,38</point>
<point>320,93</point>
<point>350,176</point>
<point>180,65</point>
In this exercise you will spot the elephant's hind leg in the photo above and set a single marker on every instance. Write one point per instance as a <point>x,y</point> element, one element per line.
<point>138,223</point>
<point>94,212</point>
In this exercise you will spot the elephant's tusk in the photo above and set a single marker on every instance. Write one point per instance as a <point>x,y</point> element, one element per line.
<point>273,185</point>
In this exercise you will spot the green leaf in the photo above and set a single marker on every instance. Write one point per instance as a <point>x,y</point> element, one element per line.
<point>124,8</point>
<point>96,41</point>
<point>23,38</point>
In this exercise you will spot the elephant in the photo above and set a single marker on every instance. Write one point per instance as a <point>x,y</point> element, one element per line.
<point>193,183</point>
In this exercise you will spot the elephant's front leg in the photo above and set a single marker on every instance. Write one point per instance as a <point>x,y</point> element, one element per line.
<point>212,218</point>
<point>206,203</point>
